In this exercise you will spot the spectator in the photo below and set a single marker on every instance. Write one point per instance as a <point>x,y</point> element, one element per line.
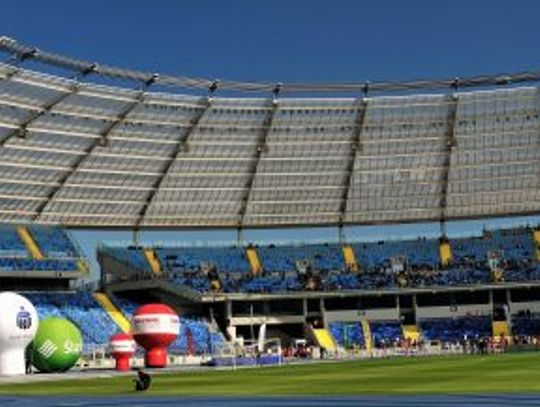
<point>142,382</point>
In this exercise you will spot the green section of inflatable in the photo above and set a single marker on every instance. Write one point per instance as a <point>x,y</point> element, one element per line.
<point>57,345</point>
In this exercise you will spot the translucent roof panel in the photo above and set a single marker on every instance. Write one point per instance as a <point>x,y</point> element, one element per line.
<point>495,164</point>
<point>398,167</point>
<point>209,172</point>
<point>303,163</point>
<point>82,154</point>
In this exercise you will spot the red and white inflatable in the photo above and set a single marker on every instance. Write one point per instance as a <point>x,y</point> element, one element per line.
<point>122,348</point>
<point>155,327</point>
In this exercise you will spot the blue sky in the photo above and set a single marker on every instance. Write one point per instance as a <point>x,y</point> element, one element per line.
<point>284,41</point>
<point>287,40</point>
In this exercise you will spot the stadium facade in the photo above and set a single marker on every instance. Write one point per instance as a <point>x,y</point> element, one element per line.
<point>180,153</point>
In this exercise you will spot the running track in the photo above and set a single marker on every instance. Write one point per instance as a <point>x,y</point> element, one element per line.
<point>360,401</point>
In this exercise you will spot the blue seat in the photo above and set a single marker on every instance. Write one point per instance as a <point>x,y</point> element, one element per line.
<point>53,242</point>
<point>11,244</point>
<point>133,256</point>
<point>419,252</point>
<point>386,332</point>
<point>284,258</point>
<point>456,329</point>
<point>347,334</point>
<point>82,309</point>
<point>526,326</point>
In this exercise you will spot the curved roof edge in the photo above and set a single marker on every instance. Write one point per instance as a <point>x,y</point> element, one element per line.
<point>23,52</point>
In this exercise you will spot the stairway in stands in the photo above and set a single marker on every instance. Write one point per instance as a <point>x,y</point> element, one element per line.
<point>31,245</point>
<point>536,237</point>
<point>411,332</point>
<point>366,329</point>
<point>324,339</point>
<point>153,261</point>
<point>501,328</point>
<point>350,258</point>
<point>446,253</point>
<point>254,261</point>
<point>116,315</point>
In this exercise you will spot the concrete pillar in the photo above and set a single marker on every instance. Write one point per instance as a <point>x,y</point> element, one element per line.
<point>322,309</point>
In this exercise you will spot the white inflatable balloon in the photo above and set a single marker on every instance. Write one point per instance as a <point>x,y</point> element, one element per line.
<point>18,326</point>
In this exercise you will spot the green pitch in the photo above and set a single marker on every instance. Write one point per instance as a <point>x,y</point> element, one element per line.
<point>512,373</point>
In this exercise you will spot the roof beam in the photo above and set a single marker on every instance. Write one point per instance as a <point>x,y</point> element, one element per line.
<point>181,146</point>
<point>21,131</point>
<point>449,144</point>
<point>256,159</point>
<point>10,75</point>
<point>19,56</point>
<point>100,141</point>
<point>353,153</point>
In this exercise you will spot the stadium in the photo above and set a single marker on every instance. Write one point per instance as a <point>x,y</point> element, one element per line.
<point>89,146</point>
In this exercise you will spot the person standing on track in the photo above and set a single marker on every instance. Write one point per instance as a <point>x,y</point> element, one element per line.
<point>142,381</point>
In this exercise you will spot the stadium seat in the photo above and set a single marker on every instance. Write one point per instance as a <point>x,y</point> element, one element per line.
<point>11,244</point>
<point>386,333</point>
<point>348,334</point>
<point>526,325</point>
<point>82,309</point>
<point>325,340</point>
<point>54,242</point>
<point>456,329</point>
<point>384,264</point>
<point>37,249</point>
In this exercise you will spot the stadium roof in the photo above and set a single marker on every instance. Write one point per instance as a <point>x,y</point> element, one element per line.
<point>82,154</point>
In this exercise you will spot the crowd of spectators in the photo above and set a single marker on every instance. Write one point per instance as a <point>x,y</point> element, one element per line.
<point>495,257</point>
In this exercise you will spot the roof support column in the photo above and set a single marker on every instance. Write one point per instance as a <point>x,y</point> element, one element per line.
<point>449,144</point>
<point>351,159</point>
<point>256,159</point>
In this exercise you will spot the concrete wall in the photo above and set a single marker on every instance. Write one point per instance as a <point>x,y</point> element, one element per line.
<point>356,315</point>
<point>270,320</point>
<point>447,312</point>
<point>533,306</point>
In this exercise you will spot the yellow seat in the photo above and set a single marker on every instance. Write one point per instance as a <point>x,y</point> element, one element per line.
<point>411,332</point>
<point>445,252</point>
<point>350,258</point>
<point>500,328</point>
<point>536,236</point>
<point>366,329</point>
<point>31,245</point>
<point>254,261</point>
<point>153,261</point>
<point>116,315</point>
<point>325,339</point>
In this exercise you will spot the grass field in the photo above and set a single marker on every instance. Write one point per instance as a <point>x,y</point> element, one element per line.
<point>512,373</point>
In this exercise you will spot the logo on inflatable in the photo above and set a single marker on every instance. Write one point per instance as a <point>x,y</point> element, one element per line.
<point>69,347</point>
<point>24,319</point>
<point>47,349</point>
